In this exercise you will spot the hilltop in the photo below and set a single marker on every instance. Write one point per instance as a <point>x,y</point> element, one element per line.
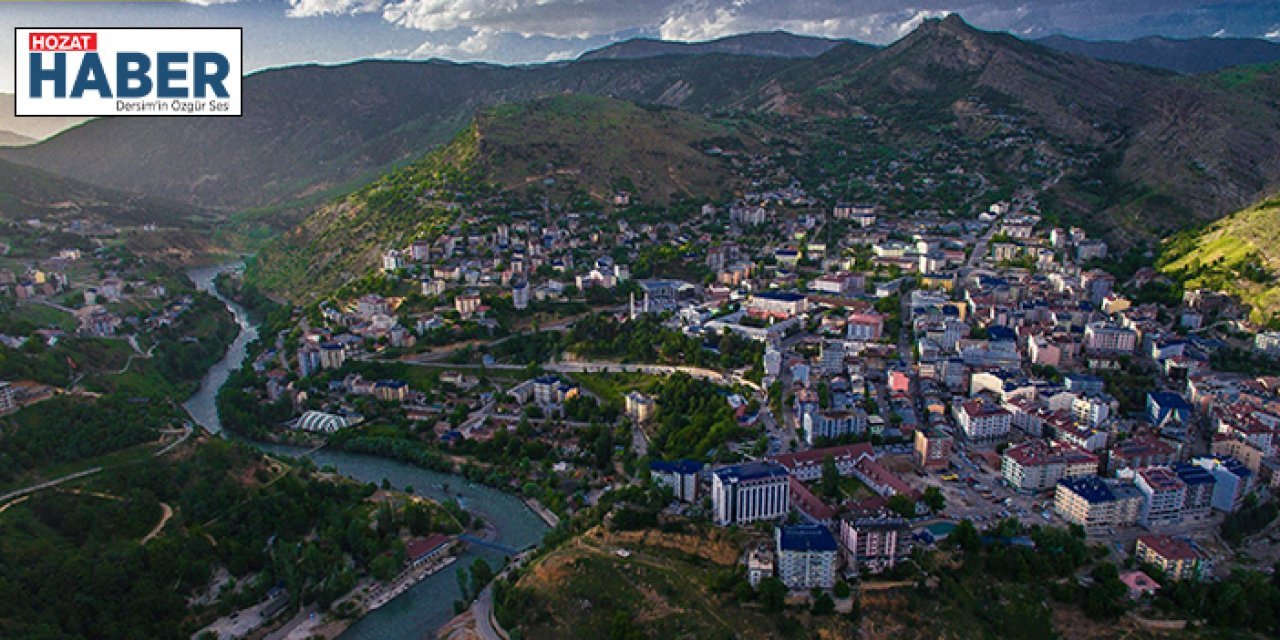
<point>560,146</point>
<point>1144,152</point>
<point>776,44</point>
<point>1169,151</point>
<point>32,193</point>
<point>1239,254</point>
<point>312,132</point>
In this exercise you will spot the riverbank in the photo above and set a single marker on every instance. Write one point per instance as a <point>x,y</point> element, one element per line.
<point>421,608</point>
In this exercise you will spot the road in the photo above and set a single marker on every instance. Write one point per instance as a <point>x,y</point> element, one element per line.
<point>17,493</point>
<point>482,611</point>
<point>980,249</point>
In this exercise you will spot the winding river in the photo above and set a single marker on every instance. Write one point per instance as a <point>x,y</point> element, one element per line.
<point>421,610</point>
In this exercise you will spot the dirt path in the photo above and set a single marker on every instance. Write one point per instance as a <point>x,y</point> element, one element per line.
<point>164,519</point>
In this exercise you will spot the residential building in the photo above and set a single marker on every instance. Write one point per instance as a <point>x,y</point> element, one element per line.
<point>933,448</point>
<point>1200,487</point>
<point>1232,481</point>
<point>1175,557</point>
<point>806,557</point>
<point>982,421</point>
<point>1105,338</point>
<point>681,476</point>
<point>831,423</point>
<point>1164,494</point>
<point>7,401</point>
<point>639,407</point>
<point>1095,504</point>
<point>760,564</point>
<point>748,492</point>
<point>1168,410</point>
<point>1037,465</point>
<point>1140,451</point>
<point>870,542</point>
<point>865,327</point>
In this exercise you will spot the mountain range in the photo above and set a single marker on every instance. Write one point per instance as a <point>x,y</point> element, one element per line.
<point>1155,151</point>
<point>778,44</point>
<point>27,129</point>
<point>1194,55</point>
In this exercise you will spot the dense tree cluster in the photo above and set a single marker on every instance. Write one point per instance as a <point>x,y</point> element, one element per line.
<point>67,429</point>
<point>647,340</point>
<point>693,417</point>
<point>73,565</point>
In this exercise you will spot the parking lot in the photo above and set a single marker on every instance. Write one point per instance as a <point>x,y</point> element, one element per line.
<point>977,493</point>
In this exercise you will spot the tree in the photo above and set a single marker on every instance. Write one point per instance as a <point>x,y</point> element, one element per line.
<point>842,589</point>
<point>935,500</point>
<point>383,567</point>
<point>829,485</point>
<point>772,593</point>
<point>481,574</point>
<point>823,604</point>
<point>902,506</point>
<point>965,536</point>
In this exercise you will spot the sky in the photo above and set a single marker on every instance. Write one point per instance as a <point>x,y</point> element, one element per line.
<point>284,32</point>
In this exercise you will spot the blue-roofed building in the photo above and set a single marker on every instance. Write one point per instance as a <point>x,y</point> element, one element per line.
<point>1234,481</point>
<point>681,476</point>
<point>1168,411</point>
<point>1200,482</point>
<point>749,492</point>
<point>806,556</point>
<point>997,333</point>
<point>1095,504</point>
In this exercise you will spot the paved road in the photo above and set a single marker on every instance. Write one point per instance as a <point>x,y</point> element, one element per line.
<point>17,493</point>
<point>482,611</point>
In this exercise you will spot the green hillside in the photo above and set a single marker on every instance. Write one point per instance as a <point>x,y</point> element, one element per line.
<point>1239,254</point>
<point>565,147</point>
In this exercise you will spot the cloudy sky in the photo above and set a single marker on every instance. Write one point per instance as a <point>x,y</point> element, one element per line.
<point>280,32</point>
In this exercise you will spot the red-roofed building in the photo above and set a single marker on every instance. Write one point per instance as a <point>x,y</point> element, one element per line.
<point>1175,557</point>
<point>423,550</point>
<point>811,506</point>
<point>1140,451</point>
<point>983,421</point>
<point>806,466</point>
<point>1038,465</point>
<point>882,480</point>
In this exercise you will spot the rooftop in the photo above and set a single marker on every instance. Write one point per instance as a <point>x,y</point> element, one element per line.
<point>806,537</point>
<point>1169,547</point>
<point>751,471</point>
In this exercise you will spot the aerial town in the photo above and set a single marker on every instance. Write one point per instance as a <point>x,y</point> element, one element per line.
<point>863,384</point>
<point>725,320</point>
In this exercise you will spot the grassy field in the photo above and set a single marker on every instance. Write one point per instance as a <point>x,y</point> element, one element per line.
<point>43,316</point>
<point>651,585</point>
<point>1239,254</point>
<point>611,387</point>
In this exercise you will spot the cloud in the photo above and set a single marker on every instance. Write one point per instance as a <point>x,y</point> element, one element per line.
<point>477,28</point>
<point>313,8</point>
<point>207,3</point>
<point>1273,34</point>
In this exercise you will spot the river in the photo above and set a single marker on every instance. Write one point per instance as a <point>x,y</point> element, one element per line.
<point>421,610</point>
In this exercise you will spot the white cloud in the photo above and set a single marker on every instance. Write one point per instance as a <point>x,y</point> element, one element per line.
<point>1273,34</point>
<point>312,8</point>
